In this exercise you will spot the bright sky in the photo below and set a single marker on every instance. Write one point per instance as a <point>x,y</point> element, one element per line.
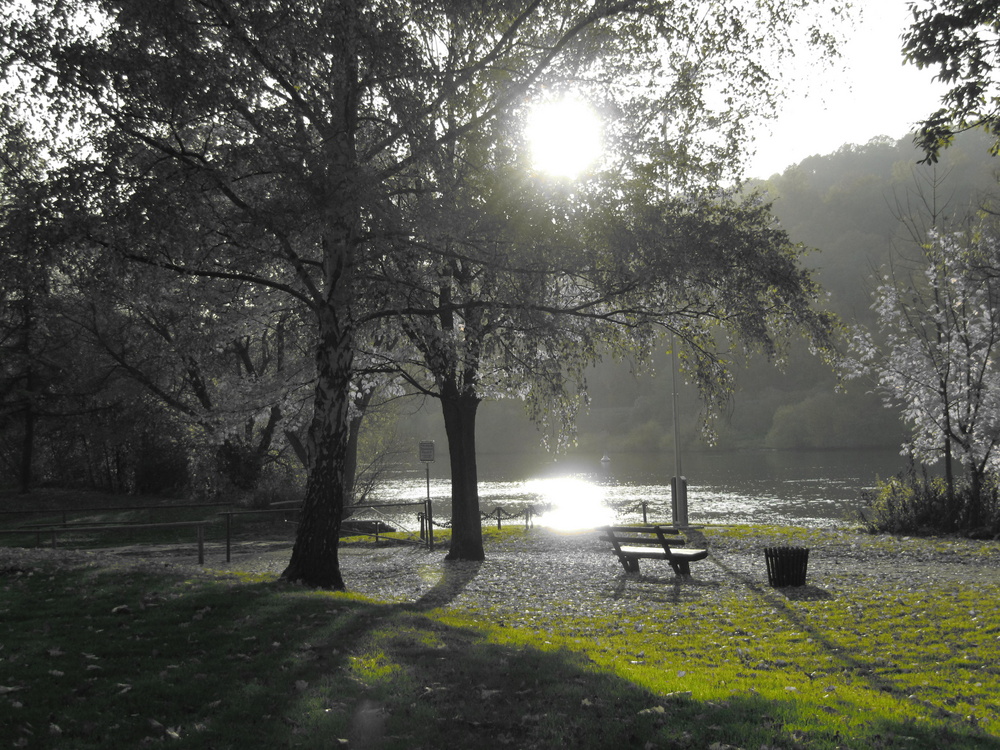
<point>867,93</point>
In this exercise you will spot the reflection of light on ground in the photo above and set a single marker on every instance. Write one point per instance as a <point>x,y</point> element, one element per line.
<point>575,504</point>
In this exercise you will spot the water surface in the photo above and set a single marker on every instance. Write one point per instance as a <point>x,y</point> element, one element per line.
<point>814,488</point>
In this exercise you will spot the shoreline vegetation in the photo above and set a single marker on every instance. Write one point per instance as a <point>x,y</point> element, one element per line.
<point>893,642</point>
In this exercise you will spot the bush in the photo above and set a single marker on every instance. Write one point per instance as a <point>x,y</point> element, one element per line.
<point>918,504</point>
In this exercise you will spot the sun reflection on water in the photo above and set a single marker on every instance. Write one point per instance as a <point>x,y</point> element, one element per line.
<point>574,504</point>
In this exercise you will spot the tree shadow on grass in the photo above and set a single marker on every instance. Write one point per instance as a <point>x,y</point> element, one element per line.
<point>850,661</point>
<point>805,593</point>
<point>198,663</point>
<point>455,576</point>
<point>664,589</point>
<point>460,687</point>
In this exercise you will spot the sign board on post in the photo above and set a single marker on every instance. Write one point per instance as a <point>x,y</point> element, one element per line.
<point>427,450</point>
<point>427,456</point>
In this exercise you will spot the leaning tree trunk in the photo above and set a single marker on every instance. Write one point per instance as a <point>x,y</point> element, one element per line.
<point>460,426</point>
<point>315,561</point>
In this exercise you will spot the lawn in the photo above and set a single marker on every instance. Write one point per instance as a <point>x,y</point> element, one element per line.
<point>96,655</point>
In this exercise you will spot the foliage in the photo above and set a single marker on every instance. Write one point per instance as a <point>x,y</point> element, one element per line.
<point>958,39</point>
<point>279,147</point>
<point>821,422</point>
<point>912,503</point>
<point>938,361</point>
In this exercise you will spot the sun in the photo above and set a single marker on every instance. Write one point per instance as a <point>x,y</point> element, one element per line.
<point>574,504</point>
<point>564,136</point>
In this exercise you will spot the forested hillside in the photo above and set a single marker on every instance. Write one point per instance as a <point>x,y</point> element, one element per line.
<point>858,208</point>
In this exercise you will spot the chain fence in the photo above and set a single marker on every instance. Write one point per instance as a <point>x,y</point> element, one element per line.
<point>498,514</point>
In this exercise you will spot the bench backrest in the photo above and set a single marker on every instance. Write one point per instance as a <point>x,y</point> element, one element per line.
<point>650,535</point>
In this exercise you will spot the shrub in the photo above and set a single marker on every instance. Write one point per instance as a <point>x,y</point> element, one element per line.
<point>912,503</point>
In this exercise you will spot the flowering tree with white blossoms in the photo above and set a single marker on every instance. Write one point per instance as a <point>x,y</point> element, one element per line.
<point>938,356</point>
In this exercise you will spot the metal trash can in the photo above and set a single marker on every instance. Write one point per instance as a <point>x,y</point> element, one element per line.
<point>786,566</point>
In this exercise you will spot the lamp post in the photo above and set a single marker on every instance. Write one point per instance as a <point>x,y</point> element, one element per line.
<point>678,483</point>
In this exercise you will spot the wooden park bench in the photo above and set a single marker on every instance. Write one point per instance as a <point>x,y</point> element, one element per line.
<point>632,543</point>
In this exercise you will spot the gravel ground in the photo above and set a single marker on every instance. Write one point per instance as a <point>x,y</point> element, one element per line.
<point>525,575</point>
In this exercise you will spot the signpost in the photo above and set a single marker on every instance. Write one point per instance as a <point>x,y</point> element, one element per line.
<point>427,457</point>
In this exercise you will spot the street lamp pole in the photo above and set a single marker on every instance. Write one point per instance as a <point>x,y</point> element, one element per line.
<point>678,484</point>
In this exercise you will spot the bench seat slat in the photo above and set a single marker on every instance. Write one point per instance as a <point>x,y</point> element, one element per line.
<point>659,554</point>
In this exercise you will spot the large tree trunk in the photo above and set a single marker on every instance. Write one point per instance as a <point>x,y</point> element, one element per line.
<point>460,426</point>
<point>314,558</point>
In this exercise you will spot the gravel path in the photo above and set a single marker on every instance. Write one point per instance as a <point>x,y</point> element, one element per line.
<point>525,574</point>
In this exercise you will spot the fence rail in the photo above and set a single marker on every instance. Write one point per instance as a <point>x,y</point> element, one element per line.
<point>55,531</point>
<point>500,515</point>
<point>66,512</point>
<point>424,517</point>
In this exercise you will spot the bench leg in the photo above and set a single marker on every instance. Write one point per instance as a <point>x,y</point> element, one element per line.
<point>681,567</point>
<point>631,564</point>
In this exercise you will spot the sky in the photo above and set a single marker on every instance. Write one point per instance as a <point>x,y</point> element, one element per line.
<point>868,93</point>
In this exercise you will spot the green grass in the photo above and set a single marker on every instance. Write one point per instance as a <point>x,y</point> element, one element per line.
<point>99,658</point>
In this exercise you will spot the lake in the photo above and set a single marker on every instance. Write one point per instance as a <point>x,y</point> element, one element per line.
<point>806,488</point>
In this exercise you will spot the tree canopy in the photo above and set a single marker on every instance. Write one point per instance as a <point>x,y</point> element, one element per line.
<point>959,39</point>
<point>284,146</point>
<point>938,360</point>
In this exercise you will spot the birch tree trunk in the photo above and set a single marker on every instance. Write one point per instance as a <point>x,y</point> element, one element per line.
<point>314,558</point>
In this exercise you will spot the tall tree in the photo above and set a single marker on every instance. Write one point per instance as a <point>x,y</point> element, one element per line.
<point>26,252</point>
<point>289,134</point>
<point>939,358</point>
<point>227,360</point>
<point>518,308</point>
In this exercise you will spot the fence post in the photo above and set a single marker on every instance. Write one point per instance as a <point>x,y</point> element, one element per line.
<point>430,521</point>
<point>201,544</point>
<point>644,506</point>
<point>499,526</point>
